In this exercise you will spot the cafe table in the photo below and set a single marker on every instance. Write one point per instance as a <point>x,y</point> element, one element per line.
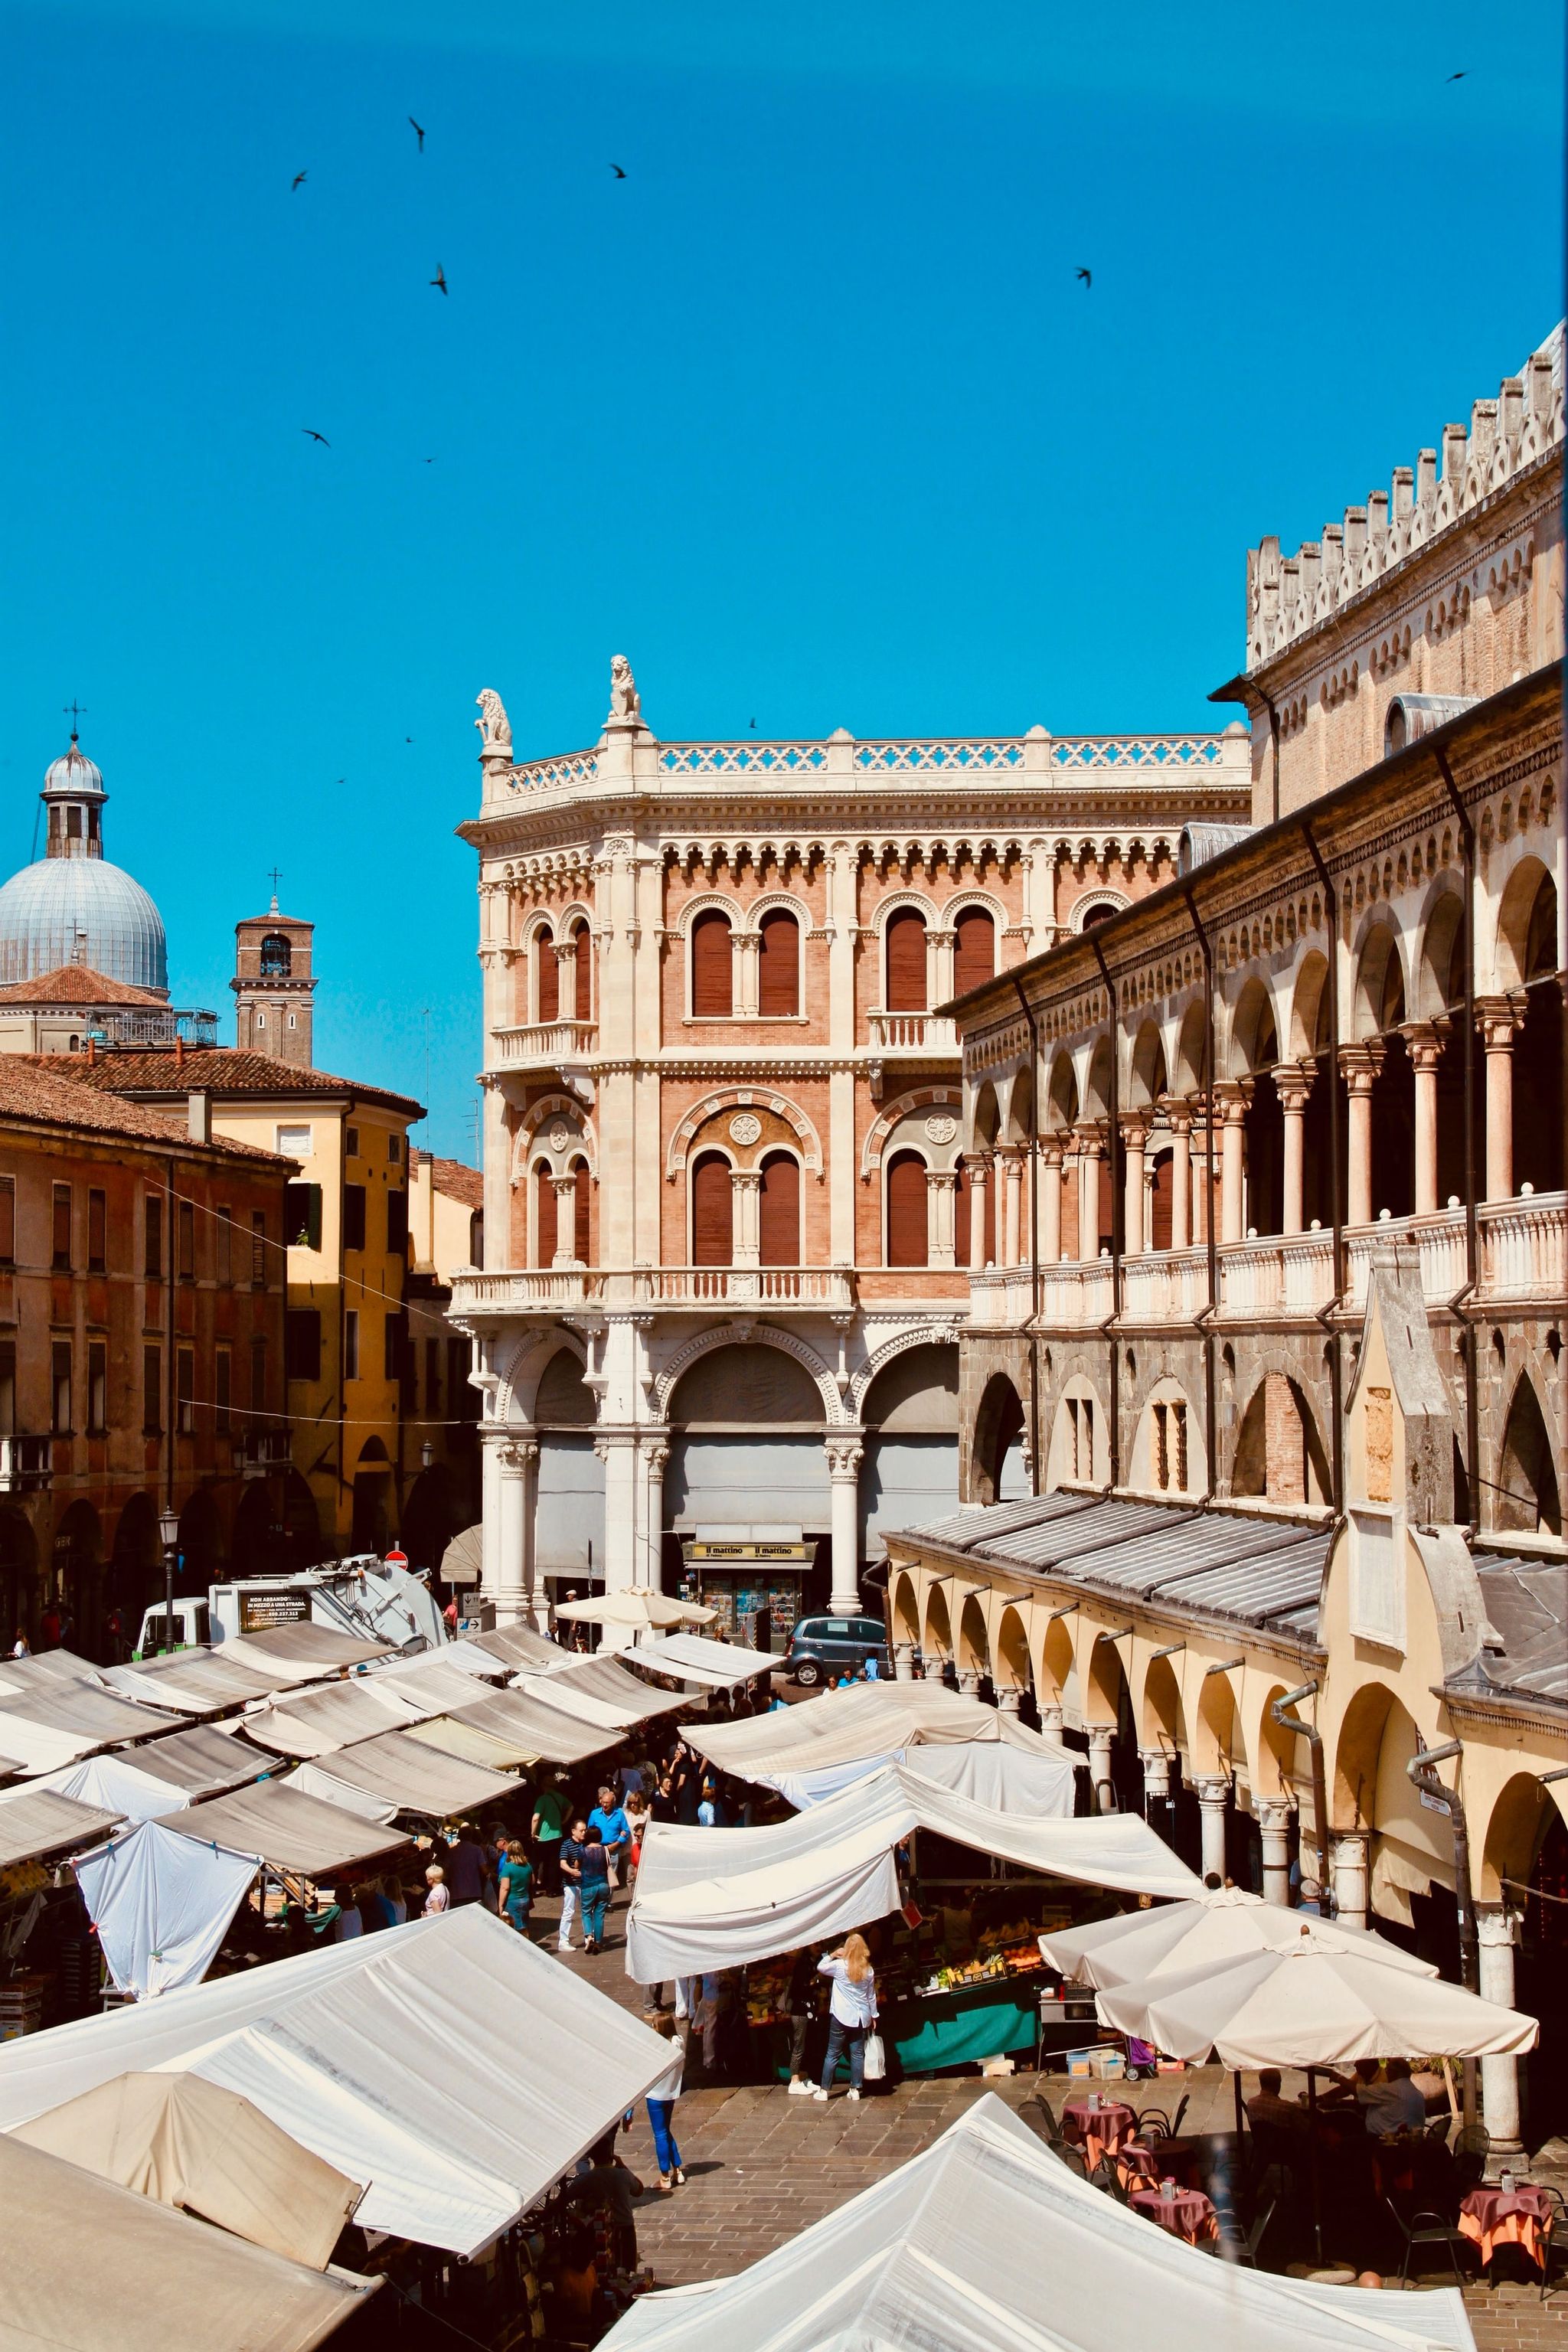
<point>1493,2217</point>
<point>1098,2124</point>
<point>1183,2213</point>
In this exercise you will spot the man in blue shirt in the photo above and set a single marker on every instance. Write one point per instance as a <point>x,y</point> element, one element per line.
<point>609,1822</point>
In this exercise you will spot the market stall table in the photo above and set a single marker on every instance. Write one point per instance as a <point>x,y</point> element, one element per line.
<point>1183,2213</point>
<point>1098,2124</point>
<point>1522,2216</point>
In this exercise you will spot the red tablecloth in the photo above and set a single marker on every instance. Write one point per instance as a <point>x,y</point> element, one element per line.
<point>1099,2130</point>
<point>1508,2217</point>
<point>1185,2214</point>
<point>1139,2165</point>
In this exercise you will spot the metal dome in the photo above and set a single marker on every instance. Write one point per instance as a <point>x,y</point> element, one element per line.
<point>75,773</point>
<point>81,910</point>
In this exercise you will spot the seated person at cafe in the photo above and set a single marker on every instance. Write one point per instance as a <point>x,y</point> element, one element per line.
<point>1388,2108</point>
<point>1268,2109</point>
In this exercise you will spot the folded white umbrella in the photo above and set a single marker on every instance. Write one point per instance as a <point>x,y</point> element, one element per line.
<point>1222,1924</point>
<point>638,1605</point>
<point>1311,2005</point>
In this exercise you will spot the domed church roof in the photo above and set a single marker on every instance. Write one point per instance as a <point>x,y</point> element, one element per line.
<point>71,906</point>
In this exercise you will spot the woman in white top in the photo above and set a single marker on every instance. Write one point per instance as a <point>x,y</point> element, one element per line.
<point>851,2011</point>
<point>661,2098</point>
<point>440,1899</point>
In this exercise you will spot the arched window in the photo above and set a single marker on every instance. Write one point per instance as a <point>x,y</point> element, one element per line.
<point>580,1249</point>
<point>907,1208</point>
<point>906,961</point>
<point>546,977</point>
<point>711,1209</point>
<point>277,957</point>
<point>779,1209</point>
<point>778,967</point>
<point>974,949</point>
<point>582,939</point>
<point>712,979</point>
<point>544,1214</point>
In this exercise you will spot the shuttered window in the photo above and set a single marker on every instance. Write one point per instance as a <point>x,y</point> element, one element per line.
<point>906,965</point>
<point>1160,1205</point>
<point>778,968</point>
<point>584,942</point>
<point>580,1248</point>
<point>711,1211</point>
<point>974,949</point>
<point>906,1209</point>
<point>779,1210</point>
<point>547,983</point>
<point>544,1215</point>
<point>712,985</point>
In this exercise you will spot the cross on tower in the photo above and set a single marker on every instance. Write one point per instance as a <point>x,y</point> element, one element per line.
<point>275,876</point>
<point>73,711</point>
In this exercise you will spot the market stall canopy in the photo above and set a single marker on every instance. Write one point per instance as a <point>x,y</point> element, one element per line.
<point>117,1785</point>
<point>636,1608</point>
<point>600,1690</point>
<point>190,2144</point>
<point>303,1652</point>
<point>466,1657</point>
<point>521,1650</point>
<point>986,2242</point>
<point>54,1725</point>
<point>161,1904</point>
<point>192,1682</point>
<point>45,1671</point>
<point>448,2064</point>
<point>1220,1924</point>
<point>524,1730</point>
<point>870,1721</point>
<point>717,1898</point>
<point>286,1828</point>
<point>411,1775</point>
<point>315,1722</point>
<point>463,1561</point>
<point>723,1666</point>
<point>421,1686</point>
<point>1040,1786</point>
<point>203,1762</point>
<point>38,1822</point>
<point>1311,2005</point>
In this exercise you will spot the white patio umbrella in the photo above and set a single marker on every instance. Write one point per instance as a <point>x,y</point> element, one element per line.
<point>1220,1925</point>
<point>638,1606</point>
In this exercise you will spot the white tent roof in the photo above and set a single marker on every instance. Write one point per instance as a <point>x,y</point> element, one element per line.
<point>600,1690</point>
<point>410,1776</point>
<point>850,1727</point>
<point>117,1785</point>
<point>314,1722</point>
<point>36,1822</point>
<point>523,1726</point>
<point>134,2276</point>
<point>195,1682</point>
<point>986,2242</point>
<point>1220,1924</point>
<point>45,1671</point>
<point>448,2064</point>
<point>717,1898</point>
<point>423,1685</point>
<point>284,1827</point>
<point>1042,1787</point>
<point>161,1904</point>
<point>696,1659</point>
<point>55,1722</point>
<point>301,1652</point>
<point>204,1761</point>
<point>518,1647</point>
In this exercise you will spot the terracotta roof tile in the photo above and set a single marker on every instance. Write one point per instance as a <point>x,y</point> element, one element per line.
<point>33,1089</point>
<point>78,983</point>
<point>456,1180</point>
<point>222,1071</point>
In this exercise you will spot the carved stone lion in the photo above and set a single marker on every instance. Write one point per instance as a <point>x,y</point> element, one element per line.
<point>625,702</point>
<point>494,726</point>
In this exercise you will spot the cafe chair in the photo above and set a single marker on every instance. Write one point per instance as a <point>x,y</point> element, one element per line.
<point>1235,2244</point>
<point>1106,2175</point>
<point>1426,2230</point>
<point>1471,2150</point>
<point>1153,2122</point>
<point>1549,2229</point>
<point>1073,2158</point>
<point>1044,2121</point>
<point>1436,2133</point>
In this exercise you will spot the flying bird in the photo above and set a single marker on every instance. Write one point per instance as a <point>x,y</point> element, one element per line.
<point>418,131</point>
<point>311,434</point>
<point>752,725</point>
<point>1086,276</point>
<point>1460,75</point>
<point>617,171</point>
<point>298,181</point>
<point>441,277</point>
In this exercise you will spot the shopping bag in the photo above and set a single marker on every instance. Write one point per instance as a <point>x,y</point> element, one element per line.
<point>875,2068</point>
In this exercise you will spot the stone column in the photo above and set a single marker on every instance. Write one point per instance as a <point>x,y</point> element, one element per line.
<point>1156,1788</point>
<point>1424,1043</point>
<point>843,1481</point>
<point>1203,1201</point>
<point>1051,1723</point>
<point>655,1456</point>
<point>1213,1797</point>
<point>1050,1182</point>
<point>746,1187</point>
<point>1496,1929</point>
<point>1134,1136</point>
<point>1274,1824</point>
<point>747,950</point>
<point>1008,1700</point>
<point>567,983</point>
<point>1087,1194</point>
<point>513,1595</point>
<point>969,1681</point>
<point>1180,1124</point>
<point>565,1190</point>
<point>1103,1797</point>
<point>903,1662</point>
<point>939,1191</point>
<point>1012,1170</point>
<point>933,1670</point>
<point>1293,1084</point>
<point>939,945</point>
<point>1347,1861</point>
<point>1359,1065</point>
<point>1497,1020</point>
<point>1230,1100</point>
<point>978,1173</point>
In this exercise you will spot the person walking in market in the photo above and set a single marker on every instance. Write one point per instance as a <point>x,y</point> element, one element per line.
<point>800,2008</point>
<point>851,2011</point>
<point>608,1819</point>
<point>514,1886</point>
<point>586,1872</point>
<point>662,2099</point>
<point>552,1816</point>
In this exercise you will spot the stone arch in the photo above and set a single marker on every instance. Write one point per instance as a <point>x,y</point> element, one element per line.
<point>1192,1050</point>
<point>1276,1763</point>
<point>1078,1451</point>
<point>1105,1680</point>
<point>1380,992</point>
<point>1440,944</point>
<point>936,1639</point>
<point>1308,1026</point>
<point>1160,1719</point>
<point>901,1344</point>
<point>774,902</point>
<point>944,1101</point>
<point>1058,1666</point>
<point>1149,1079</point>
<point>710,902</point>
<point>1279,1452</point>
<point>984,1120</point>
<point>1097,1088</point>
<point>906,1609</point>
<point>19,1571</point>
<point>1254,1042</point>
<point>1012,1667</point>
<point>1529,1501</point>
<point>539,1118</point>
<point>1016,1111</point>
<point>1175,1448</point>
<point>998,1426</point>
<point>1510,1840</point>
<point>516,1369</point>
<point>1097,906</point>
<point>752,1097</point>
<point>760,1335</point>
<point>974,1641</point>
<point>897,902</point>
<point>1062,1095</point>
<point>1516,910</point>
<point>1217,1744</point>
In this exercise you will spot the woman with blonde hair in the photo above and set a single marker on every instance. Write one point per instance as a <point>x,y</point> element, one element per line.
<point>852,2011</point>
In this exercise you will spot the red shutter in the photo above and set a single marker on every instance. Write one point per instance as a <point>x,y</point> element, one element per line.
<point>778,969</point>
<point>581,1234</point>
<point>906,964</point>
<point>906,1209</point>
<point>962,1207</point>
<point>712,988</point>
<point>974,949</point>
<point>584,939</point>
<point>1160,1216</point>
<point>993,1184</point>
<point>1107,1199</point>
<point>549,977</point>
<point>711,1209</point>
<point>779,1209</point>
<point>544,1214</point>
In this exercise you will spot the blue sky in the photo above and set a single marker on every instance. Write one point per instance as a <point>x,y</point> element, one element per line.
<point>808,415</point>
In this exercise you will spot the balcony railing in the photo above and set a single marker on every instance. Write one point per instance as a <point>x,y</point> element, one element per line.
<point>527,1290</point>
<point>552,1290</point>
<point>25,1462</point>
<point>543,1042</point>
<point>912,1032</point>
<point>263,1450</point>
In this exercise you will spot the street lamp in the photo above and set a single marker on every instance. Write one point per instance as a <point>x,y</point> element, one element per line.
<point>169,1536</point>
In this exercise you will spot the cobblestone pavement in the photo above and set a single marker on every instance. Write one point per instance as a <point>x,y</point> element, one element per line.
<point>761,2166</point>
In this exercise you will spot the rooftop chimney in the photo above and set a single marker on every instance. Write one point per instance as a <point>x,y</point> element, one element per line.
<point>200,1109</point>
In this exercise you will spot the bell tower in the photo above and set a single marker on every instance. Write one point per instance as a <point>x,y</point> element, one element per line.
<point>273,985</point>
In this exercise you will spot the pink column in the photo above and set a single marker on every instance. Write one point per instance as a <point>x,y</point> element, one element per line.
<point>1181,1175</point>
<point>1424,1043</point>
<point>1359,1065</point>
<point>1230,1101</point>
<point>1293,1084</point>
<point>1497,1020</point>
<point>1134,1136</point>
<point>977,1176</point>
<point>1088,1192</point>
<point>1050,1182</point>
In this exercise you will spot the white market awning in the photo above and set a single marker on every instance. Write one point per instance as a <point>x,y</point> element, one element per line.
<point>856,1727</point>
<point>694,1658</point>
<point>599,1690</point>
<point>35,1822</point>
<point>407,1775</point>
<point>287,1828</point>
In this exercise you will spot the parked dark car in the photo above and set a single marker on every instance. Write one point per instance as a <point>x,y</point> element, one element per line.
<point>823,1648</point>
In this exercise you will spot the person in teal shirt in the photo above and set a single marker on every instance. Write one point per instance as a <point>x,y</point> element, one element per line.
<point>514,1883</point>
